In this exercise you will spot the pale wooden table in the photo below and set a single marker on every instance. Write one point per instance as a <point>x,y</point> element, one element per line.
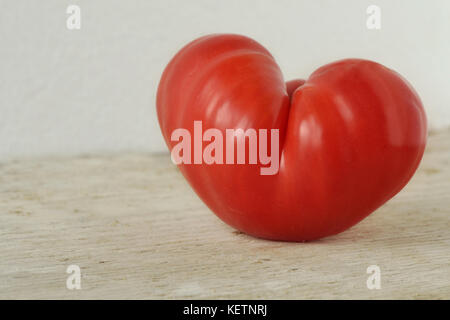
<point>137,230</point>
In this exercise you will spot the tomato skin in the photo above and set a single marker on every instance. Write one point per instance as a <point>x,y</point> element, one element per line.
<point>351,136</point>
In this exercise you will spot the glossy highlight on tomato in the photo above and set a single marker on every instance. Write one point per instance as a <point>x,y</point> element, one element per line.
<point>351,136</point>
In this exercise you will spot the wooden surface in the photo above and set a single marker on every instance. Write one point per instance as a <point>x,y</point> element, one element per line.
<point>136,230</point>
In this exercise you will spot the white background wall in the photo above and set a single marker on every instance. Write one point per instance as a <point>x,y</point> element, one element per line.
<point>93,89</point>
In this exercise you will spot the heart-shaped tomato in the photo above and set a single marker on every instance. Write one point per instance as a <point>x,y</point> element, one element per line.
<point>350,136</point>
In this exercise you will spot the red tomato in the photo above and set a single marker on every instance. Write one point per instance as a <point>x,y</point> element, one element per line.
<point>351,136</point>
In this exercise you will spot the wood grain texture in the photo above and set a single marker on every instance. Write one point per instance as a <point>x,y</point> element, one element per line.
<point>138,231</point>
